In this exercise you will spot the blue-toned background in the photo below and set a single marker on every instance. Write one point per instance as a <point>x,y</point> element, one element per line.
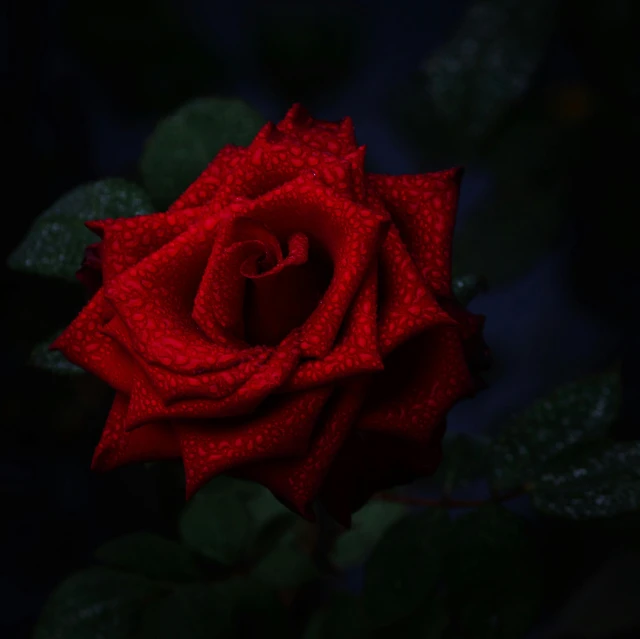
<point>81,101</point>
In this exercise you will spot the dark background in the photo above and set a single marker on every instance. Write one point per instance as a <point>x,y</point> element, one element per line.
<point>85,84</point>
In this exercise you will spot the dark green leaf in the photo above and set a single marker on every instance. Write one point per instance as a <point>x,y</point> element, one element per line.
<point>54,245</point>
<point>430,621</point>
<point>52,361</point>
<point>581,411</point>
<point>493,574</point>
<point>598,479</point>
<point>315,626</point>
<point>184,144</point>
<point>219,526</point>
<point>95,603</point>
<point>272,519</point>
<point>464,459</point>
<point>257,610</point>
<point>368,526</point>
<point>241,489</point>
<point>286,566</point>
<point>194,611</point>
<point>342,618</point>
<point>466,287</point>
<point>474,78</point>
<point>144,50</point>
<point>150,555</point>
<point>405,566</point>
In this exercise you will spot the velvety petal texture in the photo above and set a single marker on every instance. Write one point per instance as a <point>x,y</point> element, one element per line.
<point>288,320</point>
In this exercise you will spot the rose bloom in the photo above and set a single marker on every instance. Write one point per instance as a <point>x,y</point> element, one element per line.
<point>288,320</point>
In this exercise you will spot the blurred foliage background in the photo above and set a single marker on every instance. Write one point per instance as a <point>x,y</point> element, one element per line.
<point>539,101</point>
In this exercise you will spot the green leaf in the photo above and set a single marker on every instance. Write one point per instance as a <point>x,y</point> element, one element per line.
<point>95,603</point>
<point>430,621</point>
<point>474,78</point>
<point>286,566</point>
<point>150,555</point>
<point>52,361</point>
<point>219,526</point>
<point>54,245</point>
<point>368,525</point>
<point>184,144</point>
<point>315,626</point>
<point>342,618</point>
<point>466,287</point>
<point>580,411</point>
<point>493,574</point>
<point>597,479</point>
<point>272,519</point>
<point>405,566</point>
<point>464,459</point>
<point>257,609</point>
<point>193,611</point>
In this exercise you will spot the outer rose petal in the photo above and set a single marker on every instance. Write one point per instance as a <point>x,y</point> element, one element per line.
<point>281,429</point>
<point>84,344</point>
<point>369,462</point>
<point>423,207</point>
<point>332,137</point>
<point>241,398</point>
<point>117,446</point>
<point>125,242</point>
<point>421,381</point>
<point>407,307</point>
<point>169,386</point>
<point>297,482</point>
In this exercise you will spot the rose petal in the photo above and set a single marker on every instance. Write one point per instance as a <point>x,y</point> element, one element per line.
<point>333,137</point>
<point>118,447</point>
<point>172,386</point>
<point>423,207</point>
<point>234,392</point>
<point>125,242</point>
<point>407,306</point>
<point>273,159</point>
<point>296,482</point>
<point>83,344</point>
<point>420,383</point>
<point>356,351</point>
<point>282,428</point>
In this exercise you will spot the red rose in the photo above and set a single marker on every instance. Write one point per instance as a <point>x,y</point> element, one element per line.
<point>288,320</point>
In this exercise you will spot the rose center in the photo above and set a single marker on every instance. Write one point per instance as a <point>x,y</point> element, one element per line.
<point>280,294</point>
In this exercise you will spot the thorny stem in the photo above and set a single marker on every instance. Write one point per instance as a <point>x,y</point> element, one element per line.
<point>447,502</point>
